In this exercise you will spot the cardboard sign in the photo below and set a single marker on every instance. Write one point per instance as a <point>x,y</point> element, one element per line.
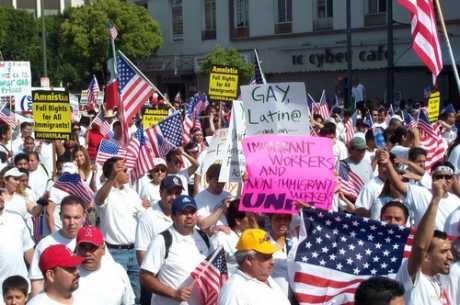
<point>153,116</point>
<point>223,83</point>
<point>282,169</point>
<point>233,162</point>
<point>52,115</point>
<point>15,79</point>
<point>276,109</point>
<point>434,104</point>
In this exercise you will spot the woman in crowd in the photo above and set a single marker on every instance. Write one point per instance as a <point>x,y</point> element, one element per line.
<point>39,178</point>
<point>86,171</point>
<point>150,191</point>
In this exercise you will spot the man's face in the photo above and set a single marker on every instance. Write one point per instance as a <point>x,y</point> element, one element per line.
<point>26,131</point>
<point>120,167</point>
<point>440,257</point>
<point>64,280</point>
<point>397,301</point>
<point>92,254</point>
<point>375,116</point>
<point>33,162</point>
<point>421,161</point>
<point>72,217</point>
<point>214,186</point>
<point>449,178</point>
<point>280,224</point>
<point>168,196</point>
<point>29,145</point>
<point>185,219</point>
<point>261,266</point>
<point>357,154</point>
<point>14,297</point>
<point>11,184</point>
<point>393,215</point>
<point>176,163</point>
<point>23,163</point>
<point>450,119</point>
<point>381,116</point>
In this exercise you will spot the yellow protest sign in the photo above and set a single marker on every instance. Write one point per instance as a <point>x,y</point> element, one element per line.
<point>223,83</point>
<point>153,116</point>
<point>434,103</point>
<point>52,115</point>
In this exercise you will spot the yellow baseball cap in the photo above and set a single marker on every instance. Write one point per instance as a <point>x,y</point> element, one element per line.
<point>257,240</point>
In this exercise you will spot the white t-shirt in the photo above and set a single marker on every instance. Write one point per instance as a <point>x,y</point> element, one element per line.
<point>119,215</point>
<point>454,283</point>
<point>15,239</point>
<point>186,252</point>
<point>400,151</point>
<point>38,181</point>
<point>207,203</point>
<point>358,92</point>
<point>44,299</point>
<point>339,149</point>
<point>53,239</point>
<point>109,285</point>
<point>452,223</point>
<point>418,198</point>
<point>369,193</point>
<point>152,222</point>
<point>56,196</point>
<point>46,155</point>
<point>426,290</point>
<point>363,169</point>
<point>17,204</point>
<point>454,158</point>
<point>242,289</point>
<point>150,192</point>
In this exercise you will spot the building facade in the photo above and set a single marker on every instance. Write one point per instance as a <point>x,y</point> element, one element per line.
<point>51,7</point>
<point>297,40</point>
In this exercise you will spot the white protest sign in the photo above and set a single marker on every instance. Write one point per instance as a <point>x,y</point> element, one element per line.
<point>233,163</point>
<point>278,108</point>
<point>15,79</point>
<point>214,153</point>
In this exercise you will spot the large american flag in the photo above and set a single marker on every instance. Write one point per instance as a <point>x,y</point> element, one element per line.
<point>7,116</point>
<point>431,140</point>
<point>71,183</point>
<point>350,183</point>
<point>108,149</point>
<point>210,275</point>
<point>93,92</point>
<point>133,87</point>
<point>338,251</point>
<point>349,128</point>
<point>166,135</point>
<point>425,33</point>
<point>322,108</point>
<point>104,126</point>
<point>138,156</point>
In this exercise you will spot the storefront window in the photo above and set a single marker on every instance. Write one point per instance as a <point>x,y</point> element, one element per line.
<point>177,20</point>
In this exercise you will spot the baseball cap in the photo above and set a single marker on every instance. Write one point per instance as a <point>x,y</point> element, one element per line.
<point>257,240</point>
<point>90,235</point>
<point>358,143</point>
<point>182,202</point>
<point>69,167</point>
<point>13,172</point>
<point>58,256</point>
<point>159,161</point>
<point>170,182</point>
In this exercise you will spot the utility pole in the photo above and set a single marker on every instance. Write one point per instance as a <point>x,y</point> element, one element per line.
<point>42,16</point>
<point>350,58</point>
<point>390,52</point>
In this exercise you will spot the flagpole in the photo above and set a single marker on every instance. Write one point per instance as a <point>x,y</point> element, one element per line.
<point>264,81</point>
<point>449,47</point>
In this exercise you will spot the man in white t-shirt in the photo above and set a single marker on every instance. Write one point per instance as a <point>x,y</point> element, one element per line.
<point>358,164</point>
<point>212,202</point>
<point>60,271</point>
<point>339,149</point>
<point>102,280</point>
<point>72,217</point>
<point>370,192</point>
<point>119,208</point>
<point>423,274</point>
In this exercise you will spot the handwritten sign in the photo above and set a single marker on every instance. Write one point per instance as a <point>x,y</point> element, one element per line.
<point>15,79</point>
<point>282,169</point>
<point>153,116</point>
<point>276,109</point>
<point>434,103</point>
<point>52,115</point>
<point>223,83</point>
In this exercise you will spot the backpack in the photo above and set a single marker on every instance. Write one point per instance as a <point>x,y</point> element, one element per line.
<point>168,240</point>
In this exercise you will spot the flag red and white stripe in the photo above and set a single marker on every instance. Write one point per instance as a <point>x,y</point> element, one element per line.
<point>430,140</point>
<point>425,41</point>
<point>93,92</point>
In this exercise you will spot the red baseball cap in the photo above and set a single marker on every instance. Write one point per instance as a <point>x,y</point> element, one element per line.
<point>90,235</point>
<point>58,256</point>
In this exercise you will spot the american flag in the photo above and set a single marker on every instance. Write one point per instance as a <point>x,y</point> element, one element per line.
<point>196,104</point>
<point>350,183</point>
<point>431,140</point>
<point>165,136</point>
<point>93,92</point>
<point>390,113</point>
<point>71,183</point>
<point>7,116</point>
<point>140,153</point>
<point>425,34</point>
<point>322,107</point>
<point>104,126</point>
<point>210,275</point>
<point>368,120</point>
<point>409,120</point>
<point>349,128</point>
<point>134,88</point>
<point>338,251</point>
<point>113,32</point>
<point>108,149</point>
<point>310,102</point>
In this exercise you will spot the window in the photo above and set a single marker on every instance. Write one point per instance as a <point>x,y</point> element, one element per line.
<point>177,20</point>
<point>209,20</point>
<point>324,9</point>
<point>284,11</point>
<point>241,14</point>
<point>377,7</point>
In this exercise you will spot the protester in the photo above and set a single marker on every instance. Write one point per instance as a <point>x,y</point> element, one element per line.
<point>15,290</point>
<point>38,175</point>
<point>26,130</point>
<point>174,164</point>
<point>395,213</point>
<point>85,169</point>
<point>150,184</point>
<point>21,161</point>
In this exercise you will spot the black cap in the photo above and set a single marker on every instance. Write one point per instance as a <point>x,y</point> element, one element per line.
<point>170,182</point>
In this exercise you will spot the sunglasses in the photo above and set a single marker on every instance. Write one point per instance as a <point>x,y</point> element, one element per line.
<point>445,177</point>
<point>159,169</point>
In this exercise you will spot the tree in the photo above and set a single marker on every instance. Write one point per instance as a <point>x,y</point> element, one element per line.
<point>228,57</point>
<point>85,37</point>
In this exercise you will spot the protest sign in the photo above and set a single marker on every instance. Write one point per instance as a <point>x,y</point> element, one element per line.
<point>153,116</point>
<point>282,169</point>
<point>276,108</point>
<point>216,150</point>
<point>15,79</point>
<point>233,162</point>
<point>223,83</point>
<point>52,115</point>
<point>434,103</point>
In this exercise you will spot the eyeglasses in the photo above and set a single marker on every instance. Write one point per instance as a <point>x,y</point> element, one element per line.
<point>159,169</point>
<point>445,177</point>
<point>71,270</point>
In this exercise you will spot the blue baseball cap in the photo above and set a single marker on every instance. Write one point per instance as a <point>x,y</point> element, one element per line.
<point>170,182</point>
<point>182,202</point>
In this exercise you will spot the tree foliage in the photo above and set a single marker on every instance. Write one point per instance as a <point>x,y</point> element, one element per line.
<point>227,57</point>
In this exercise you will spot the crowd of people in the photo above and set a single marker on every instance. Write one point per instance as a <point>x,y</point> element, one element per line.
<point>138,242</point>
